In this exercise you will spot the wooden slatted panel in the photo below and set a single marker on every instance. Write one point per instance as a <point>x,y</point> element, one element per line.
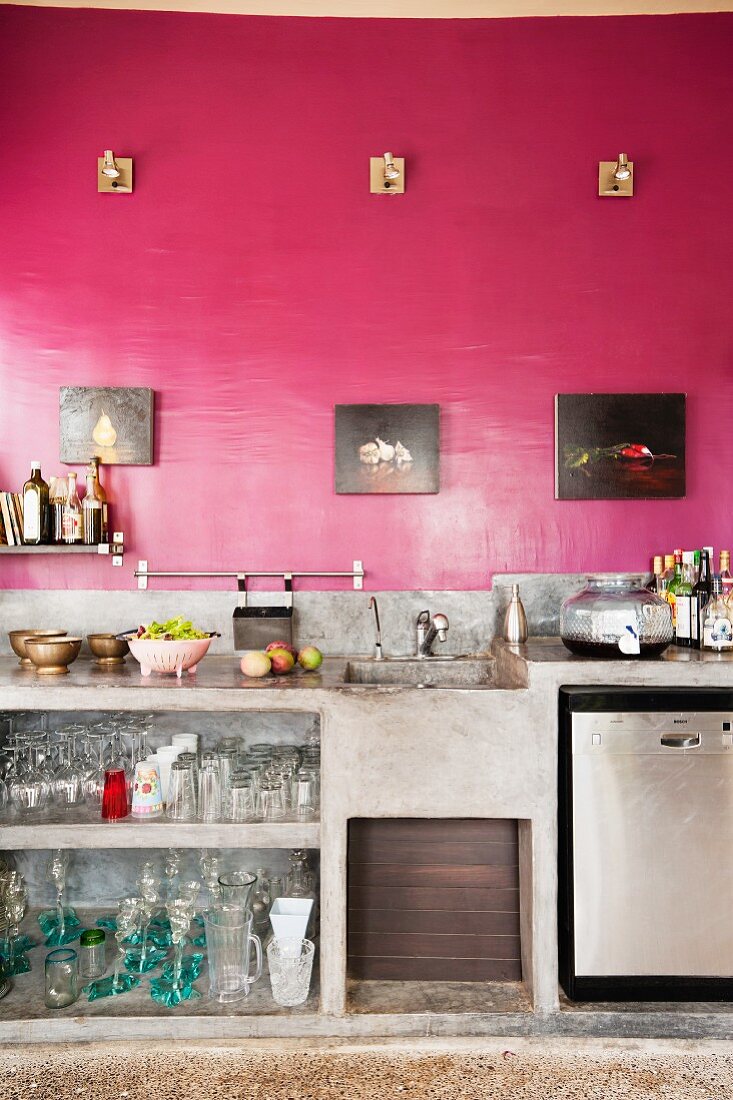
<point>434,900</point>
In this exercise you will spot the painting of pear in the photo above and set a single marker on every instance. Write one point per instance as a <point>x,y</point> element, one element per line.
<point>104,434</point>
<point>115,423</point>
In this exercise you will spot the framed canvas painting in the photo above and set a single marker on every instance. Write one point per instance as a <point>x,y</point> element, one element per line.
<point>113,422</point>
<point>612,446</point>
<point>387,448</point>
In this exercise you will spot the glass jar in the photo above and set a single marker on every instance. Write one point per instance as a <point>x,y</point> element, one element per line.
<point>92,963</point>
<point>615,616</point>
<point>62,978</point>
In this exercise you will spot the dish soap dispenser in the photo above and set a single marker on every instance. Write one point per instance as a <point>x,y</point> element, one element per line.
<point>515,620</point>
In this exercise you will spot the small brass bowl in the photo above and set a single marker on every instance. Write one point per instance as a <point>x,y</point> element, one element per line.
<point>52,655</point>
<point>108,649</point>
<point>17,642</point>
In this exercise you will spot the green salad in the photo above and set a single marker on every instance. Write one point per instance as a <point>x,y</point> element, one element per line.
<point>175,630</point>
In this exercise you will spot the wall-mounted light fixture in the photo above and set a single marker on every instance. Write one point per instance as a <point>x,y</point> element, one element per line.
<point>114,173</point>
<point>387,175</point>
<point>616,177</point>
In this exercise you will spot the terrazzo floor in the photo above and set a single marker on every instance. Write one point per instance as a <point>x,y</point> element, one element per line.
<point>299,1070</point>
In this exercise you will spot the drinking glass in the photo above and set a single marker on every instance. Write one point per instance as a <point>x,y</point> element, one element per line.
<point>291,965</point>
<point>236,887</point>
<point>209,791</point>
<point>28,789</point>
<point>181,804</point>
<point>128,921</point>
<point>272,802</point>
<point>241,800</point>
<point>68,781</point>
<point>62,978</point>
<point>59,925</point>
<point>305,793</point>
<point>228,939</point>
<point>115,804</point>
<point>174,985</point>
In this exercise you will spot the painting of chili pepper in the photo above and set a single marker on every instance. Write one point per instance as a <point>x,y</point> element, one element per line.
<point>612,446</point>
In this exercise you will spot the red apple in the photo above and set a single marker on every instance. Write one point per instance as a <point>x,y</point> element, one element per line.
<point>282,661</point>
<point>283,645</point>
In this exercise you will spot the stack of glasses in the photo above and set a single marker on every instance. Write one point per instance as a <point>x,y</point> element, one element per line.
<point>263,783</point>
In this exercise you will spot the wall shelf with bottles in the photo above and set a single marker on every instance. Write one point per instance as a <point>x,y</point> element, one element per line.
<point>114,549</point>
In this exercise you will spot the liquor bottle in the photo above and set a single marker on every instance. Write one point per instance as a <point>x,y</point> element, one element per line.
<point>71,520</point>
<point>58,490</point>
<point>683,602</point>
<point>725,578</point>
<point>673,585</point>
<point>717,631</point>
<point>701,593</point>
<point>101,496</point>
<point>92,513</point>
<point>35,508</point>
<point>666,578</point>
<point>695,572</point>
<point>655,584</point>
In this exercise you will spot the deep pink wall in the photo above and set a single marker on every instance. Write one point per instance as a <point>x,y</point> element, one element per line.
<point>253,282</point>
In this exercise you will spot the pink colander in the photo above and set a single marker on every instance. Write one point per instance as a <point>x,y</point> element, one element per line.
<point>168,657</point>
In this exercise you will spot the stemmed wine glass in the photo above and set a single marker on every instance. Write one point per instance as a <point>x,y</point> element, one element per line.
<point>147,957</point>
<point>61,925</point>
<point>16,903</point>
<point>127,924</point>
<point>175,984</point>
<point>28,789</point>
<point>68,782</point>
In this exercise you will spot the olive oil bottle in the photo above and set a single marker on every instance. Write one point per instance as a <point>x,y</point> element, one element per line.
<point>35,508</point>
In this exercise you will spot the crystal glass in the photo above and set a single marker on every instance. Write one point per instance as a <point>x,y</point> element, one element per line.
<point>615,616</point>
<point>291,964</point>
<point>181,804</point>
<point>62,978</point>
<point>229,938</point>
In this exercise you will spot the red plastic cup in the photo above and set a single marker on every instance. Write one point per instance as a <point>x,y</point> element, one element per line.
<point>114,795</point>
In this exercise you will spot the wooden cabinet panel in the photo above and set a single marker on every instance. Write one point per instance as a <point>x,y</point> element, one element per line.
<point>434,900</point>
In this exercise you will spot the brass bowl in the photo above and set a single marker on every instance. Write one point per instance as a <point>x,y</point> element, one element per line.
<point>17,642</point>
<point>52,655</point>
<point>108,649</point>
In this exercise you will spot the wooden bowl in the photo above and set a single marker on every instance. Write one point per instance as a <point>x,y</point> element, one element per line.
<point>51,656</point>
<point>108,649</point>
<point>17,642</point>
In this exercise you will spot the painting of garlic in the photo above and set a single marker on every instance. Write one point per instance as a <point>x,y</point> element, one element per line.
<point>387,448</point>
<point>115,423</point>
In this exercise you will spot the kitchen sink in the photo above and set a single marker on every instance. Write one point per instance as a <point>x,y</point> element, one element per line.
<point>465,672</point>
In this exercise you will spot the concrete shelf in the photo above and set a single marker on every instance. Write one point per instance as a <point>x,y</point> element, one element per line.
<point>83,829</point>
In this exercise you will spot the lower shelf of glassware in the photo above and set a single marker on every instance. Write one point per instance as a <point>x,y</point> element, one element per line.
<point>25,999</point>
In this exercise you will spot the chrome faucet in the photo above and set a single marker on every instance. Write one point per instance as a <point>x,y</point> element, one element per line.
<point>428,629</point>
<point>378,655</point>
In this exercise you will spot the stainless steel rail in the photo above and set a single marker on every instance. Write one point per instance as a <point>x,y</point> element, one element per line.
<point>143,573</point>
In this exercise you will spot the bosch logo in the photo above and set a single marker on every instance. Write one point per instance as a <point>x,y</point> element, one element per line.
<point>680,721</point>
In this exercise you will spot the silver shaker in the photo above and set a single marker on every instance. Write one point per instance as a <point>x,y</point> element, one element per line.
<point>515,620</point>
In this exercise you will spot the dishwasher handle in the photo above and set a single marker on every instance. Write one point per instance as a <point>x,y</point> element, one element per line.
<point>681,740</point>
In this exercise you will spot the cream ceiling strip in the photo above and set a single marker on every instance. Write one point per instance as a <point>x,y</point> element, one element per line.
<point>404,9</point>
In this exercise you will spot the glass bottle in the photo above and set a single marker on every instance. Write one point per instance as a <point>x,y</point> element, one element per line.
<point>299,880</point>
<point>657,571</point>
<point>725,577</point>
<point>666,578</point>
<point>92,963</point>
<point>71,518</point>
<point>701,593</point>
<point>672,586</point>
<point>58,491</point>
<point>101,495</point>
<point>35,508</point>
<point>92,513</point>
<point>717,631</point>
<point>683,602</point>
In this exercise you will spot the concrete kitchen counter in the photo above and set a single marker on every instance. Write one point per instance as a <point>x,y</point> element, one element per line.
<point>390,752</point>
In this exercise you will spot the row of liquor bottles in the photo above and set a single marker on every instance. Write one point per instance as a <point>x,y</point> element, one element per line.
<point>54,513</point>
<point>701,599</point>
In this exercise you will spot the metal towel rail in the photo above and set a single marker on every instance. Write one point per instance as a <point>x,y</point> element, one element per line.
<point>143,573</point>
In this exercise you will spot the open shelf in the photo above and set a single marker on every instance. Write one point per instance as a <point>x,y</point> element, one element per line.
<point>51,548</point>
<point>23,1008</point>
<point>83,829</point>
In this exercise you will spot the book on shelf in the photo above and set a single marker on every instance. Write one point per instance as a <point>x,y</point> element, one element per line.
<point>7,520</point>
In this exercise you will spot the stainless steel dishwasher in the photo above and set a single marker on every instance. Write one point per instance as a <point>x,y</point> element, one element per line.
<point>646,844</point>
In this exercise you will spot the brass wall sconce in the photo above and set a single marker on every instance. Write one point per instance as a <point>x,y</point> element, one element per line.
<point>114,174</point>
<point>616,177</point>
<point>387,175</point>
